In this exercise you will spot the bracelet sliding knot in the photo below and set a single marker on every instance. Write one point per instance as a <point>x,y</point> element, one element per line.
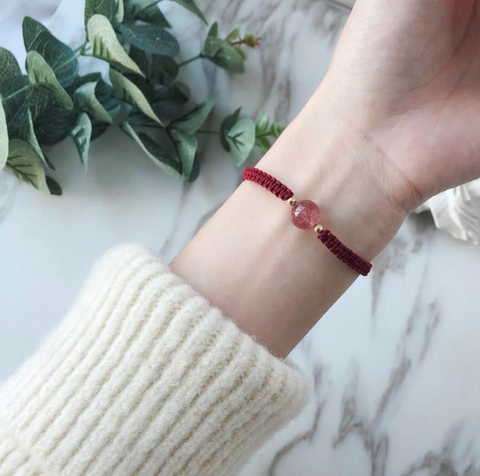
<point>306,215</point>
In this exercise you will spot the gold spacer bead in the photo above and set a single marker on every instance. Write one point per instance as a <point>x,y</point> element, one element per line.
<point>318,228</point>
<point>292,201</point>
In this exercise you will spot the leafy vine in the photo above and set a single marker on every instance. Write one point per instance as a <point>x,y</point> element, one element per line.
<point>53,101</point>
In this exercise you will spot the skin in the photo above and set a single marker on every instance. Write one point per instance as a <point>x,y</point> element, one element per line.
<point>394,122</point>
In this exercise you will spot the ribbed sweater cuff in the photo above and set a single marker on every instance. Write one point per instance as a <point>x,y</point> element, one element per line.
<point>143,377</point>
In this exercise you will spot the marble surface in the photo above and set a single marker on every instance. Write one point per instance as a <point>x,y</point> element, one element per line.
<point>395,361</point>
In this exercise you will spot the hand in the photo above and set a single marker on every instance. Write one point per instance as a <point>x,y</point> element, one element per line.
<point>407,75</point>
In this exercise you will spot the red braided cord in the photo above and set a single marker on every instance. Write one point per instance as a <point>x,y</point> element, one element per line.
<point>267,181</point>
<point>342,252</point>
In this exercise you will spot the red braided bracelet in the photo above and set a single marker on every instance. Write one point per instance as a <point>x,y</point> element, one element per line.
<point>305,215</point>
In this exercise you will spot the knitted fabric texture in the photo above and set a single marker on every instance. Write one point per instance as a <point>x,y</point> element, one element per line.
<point>143,377</point>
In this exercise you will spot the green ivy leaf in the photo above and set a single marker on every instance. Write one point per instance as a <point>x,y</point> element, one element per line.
<point>40,73</point>
<point>147,87</point>
<point>143,10</point>
<point>176,92</point>
<point>264,131</point>
<point>151,38</point>
<point>192,121</point>
<point>221,53</point>
<point>160,156</point>
<point>104,93</point>
<point>162,69</point>
<point>40,99</point>
<point>3,137</point>
<point>233,35</point>
<point>225,127</point>
<point>107,8</point>
<point>16,96</point>
<point>130,93</point>
<point>165,114</point>
<point>81,135</point>
<point>192,6</point>
<point>195,170</point>
<point>261,126</point>
<point>241,52</point>
<point>54,124</point>
<point>106,46</point>
<point>23,163</point>
<point>86,100</point>
<point>264,144</point>
<point>276,130</point>
<point>241,139</point>
<point>59,56</point>
<point>213,30</point>
<point>27,133</point>
<point>9,67</point>
<point>119,13</point>
<point>81,80</point>
<point>140,58</point>
<point>98,128</point>
<point>168,111</point>
<point>53,186</point>
<point>186,146</point>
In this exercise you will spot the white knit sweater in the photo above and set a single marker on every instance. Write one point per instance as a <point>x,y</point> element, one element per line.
<point>143,377</point>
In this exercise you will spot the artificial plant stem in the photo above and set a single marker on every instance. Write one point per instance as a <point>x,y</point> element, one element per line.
<point>80,51</point>
<point>190,60</point>
<point>73,58</point>
<point>25,88</point>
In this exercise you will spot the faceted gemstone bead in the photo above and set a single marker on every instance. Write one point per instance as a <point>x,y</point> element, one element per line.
<point>305,214</point>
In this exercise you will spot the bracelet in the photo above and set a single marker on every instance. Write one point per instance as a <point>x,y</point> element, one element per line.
<point>305,215</point>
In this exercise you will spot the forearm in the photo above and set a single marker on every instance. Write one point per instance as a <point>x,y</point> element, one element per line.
<point>273,279</point>
<point>143,377</point>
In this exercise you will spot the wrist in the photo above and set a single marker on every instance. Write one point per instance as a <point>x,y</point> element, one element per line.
<point>272,279</point>
<point>362,198</point>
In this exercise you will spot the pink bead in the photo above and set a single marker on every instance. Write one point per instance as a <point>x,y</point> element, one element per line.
<point>305,214</point>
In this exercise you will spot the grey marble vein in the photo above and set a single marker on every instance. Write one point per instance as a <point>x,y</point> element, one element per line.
<point>414,235</point>
<point>413,345</point>
<point>446,461</point>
